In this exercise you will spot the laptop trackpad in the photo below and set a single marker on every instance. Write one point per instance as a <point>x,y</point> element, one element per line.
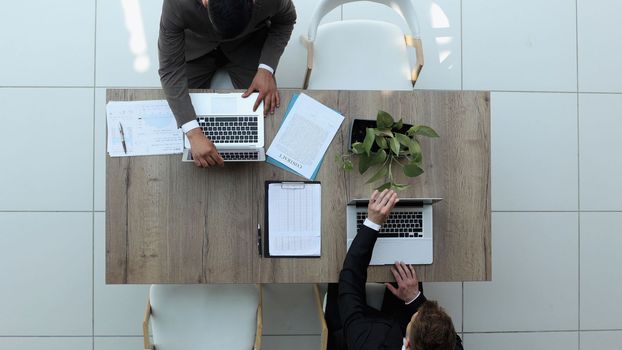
<point>410,251</point>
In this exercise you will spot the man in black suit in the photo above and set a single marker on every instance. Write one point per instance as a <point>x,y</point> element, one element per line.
<point>407,320</point>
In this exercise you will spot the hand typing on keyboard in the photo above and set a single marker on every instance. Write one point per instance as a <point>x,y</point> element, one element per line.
<point>380,205</point>
<point>204,152</point>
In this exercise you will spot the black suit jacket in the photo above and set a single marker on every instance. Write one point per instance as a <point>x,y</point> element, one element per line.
<point>364,327</point>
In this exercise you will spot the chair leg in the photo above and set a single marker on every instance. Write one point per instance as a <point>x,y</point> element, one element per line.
<point>146,340</point>
<point>320,311</point>
<point>259,330</point>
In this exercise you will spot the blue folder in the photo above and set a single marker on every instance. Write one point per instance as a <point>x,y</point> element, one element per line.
<point>281,165</point>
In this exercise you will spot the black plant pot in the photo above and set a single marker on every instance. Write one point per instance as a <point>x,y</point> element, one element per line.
<point>359,127</point>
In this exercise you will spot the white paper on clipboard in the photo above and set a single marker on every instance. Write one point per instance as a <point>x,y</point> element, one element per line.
<point>294,219</point>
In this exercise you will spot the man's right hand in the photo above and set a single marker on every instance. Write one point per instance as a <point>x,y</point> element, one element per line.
<point>204,152</point>
<point>407,282</point>
<point>380,205</point>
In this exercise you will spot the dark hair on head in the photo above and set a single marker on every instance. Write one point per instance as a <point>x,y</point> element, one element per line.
<point>230,17</point>
<point>432,329</point>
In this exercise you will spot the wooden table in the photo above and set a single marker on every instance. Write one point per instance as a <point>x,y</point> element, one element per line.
<point>171,222</point>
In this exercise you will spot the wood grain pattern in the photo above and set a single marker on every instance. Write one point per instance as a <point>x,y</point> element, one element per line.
<point>170,222</point>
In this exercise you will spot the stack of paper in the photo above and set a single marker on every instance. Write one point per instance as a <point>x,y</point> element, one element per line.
<point>305,134</point>
<point>146,127</point>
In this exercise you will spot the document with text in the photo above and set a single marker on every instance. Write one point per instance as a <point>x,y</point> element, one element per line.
<point>304,136</point>
<point>294,219</point>
<point>140,128</point>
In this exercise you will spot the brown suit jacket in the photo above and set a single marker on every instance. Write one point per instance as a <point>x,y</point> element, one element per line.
<point>186,34</point>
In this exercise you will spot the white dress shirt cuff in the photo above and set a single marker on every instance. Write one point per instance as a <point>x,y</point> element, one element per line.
<point>266,67</point>
<point>372,225</point>
<point>415,298</point>
<point>189,126</point>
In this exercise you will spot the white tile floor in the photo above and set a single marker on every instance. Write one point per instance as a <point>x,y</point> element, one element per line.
<point>525,45</point>
<point>552,66</point>
<point>118,343</point>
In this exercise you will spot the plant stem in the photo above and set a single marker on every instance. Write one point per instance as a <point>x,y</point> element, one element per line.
<point>390,172</point>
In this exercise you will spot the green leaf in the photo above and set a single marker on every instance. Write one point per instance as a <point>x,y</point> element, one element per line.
<point>417,158</point>
<point>378,157</point>
<point>384,120</point>
<point>383,133</point>
<point>381,142</point>
<point>383,187</point>
<point>364,163</point>
<point>337,158</point>
<point>369,140</point>
<point>358,148</point>
<point>347,164</point>
<point>382,172</point>
<point>404,140</point>
<point>422,130</point>
<point>415,148</point>
<point>412,170</point>
<point>395,146</point>
<point>399,187</point>
<point>399,125</point>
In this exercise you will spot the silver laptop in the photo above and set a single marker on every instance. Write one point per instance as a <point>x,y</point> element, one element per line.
<point>406,236</point>
<point>229,121</point>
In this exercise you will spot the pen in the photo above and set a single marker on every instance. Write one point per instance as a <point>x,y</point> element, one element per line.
<point>122,138</point>
<point>259,239</point>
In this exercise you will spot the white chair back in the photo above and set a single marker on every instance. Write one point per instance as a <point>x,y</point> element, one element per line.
<point>343,50</point>
<point>204,316</point>
<point>374,58</point>
<point>403,7</point>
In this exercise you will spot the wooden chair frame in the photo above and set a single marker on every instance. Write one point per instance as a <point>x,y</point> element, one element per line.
<point>320,311</point>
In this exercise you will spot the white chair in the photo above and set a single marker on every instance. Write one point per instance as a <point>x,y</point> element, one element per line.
<point>362,54</point>
<point>204,317</point>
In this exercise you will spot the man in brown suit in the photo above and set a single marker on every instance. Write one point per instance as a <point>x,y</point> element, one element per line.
<point>197,37</point>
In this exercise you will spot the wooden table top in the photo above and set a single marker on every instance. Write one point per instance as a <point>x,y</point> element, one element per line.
<point>171,222</point>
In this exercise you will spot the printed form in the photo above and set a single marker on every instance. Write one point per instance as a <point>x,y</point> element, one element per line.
<point>146,127</point>
<point>305,135</point>
<point>294,219</point>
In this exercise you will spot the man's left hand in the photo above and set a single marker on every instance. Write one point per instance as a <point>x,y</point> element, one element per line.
<point>265,84</point>
<point>407,282</point>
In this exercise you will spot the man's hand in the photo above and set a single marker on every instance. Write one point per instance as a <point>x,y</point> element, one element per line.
<point>380,205</point>
<point>266,85</point>
<point>203,151</point>
<point>407,282</point>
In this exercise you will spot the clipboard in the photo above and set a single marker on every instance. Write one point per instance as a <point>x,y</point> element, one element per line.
<point>290,186</point>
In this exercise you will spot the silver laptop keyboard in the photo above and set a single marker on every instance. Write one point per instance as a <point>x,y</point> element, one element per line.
<point>242,155</point>
<point>400,224</point>
<point>235,156</point>
<point>229,129</point>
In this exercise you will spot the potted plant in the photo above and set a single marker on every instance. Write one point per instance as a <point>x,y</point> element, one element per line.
<point>383,145</point>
